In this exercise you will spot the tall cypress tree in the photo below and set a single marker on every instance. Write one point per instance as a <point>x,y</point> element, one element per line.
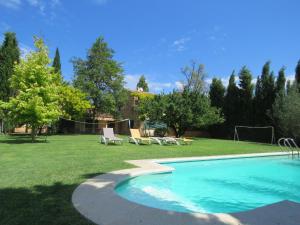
<point>9,55</point>
<point>288,86</point>
<point>231,104</point>
<point>297,75</point>
<point>56,62</point>
<point>257,102</point>
<point>142,84</point>
<point>245,94</point>
<point>265,96</point>
<point>216,93</point>
<point>297,70</point>
<point>280,82</point>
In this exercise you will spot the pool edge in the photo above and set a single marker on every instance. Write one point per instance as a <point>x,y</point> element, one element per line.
<point>97,200</point>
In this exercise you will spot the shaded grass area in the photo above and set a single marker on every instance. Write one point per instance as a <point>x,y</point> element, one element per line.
<point>37,180</point>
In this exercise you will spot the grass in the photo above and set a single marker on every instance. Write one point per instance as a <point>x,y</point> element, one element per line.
<point>37,180</point>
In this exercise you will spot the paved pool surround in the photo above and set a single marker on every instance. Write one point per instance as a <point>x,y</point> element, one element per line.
<point>97,200</point>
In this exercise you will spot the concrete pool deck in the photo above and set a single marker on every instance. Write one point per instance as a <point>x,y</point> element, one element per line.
<point>97,200</point>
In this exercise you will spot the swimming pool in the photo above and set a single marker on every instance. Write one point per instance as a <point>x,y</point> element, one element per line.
<point>215,186</point>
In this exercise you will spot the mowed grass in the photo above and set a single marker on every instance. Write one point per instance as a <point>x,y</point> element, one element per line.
<point>37,180</point>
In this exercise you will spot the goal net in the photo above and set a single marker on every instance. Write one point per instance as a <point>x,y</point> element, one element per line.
<point>254,134</point>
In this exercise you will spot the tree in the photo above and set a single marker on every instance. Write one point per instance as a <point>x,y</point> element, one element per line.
<point>9,56</point>
<point>72,102</point>
<point>216,93</point>
<point>180,110</point>
<point>264,96</point>
<point>245,97</point>
<point>56,62</point>
<point>36,102</point>
<point>142,84</point>
<point>194,76</point>
<point>288,86</point>
<point>268,87</point>
<point>297,75</point>
<point>286,111</point>
<point>257,102</point>
<point>280,82</point>
<point>231,104</point>
<point>101,78</point>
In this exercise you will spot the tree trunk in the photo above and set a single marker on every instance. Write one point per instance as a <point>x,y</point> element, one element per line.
<point>33,134</point>
<point>1,126</point>
<point>175,130</point>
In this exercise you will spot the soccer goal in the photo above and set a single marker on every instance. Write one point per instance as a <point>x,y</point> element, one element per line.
<point>255,134</point>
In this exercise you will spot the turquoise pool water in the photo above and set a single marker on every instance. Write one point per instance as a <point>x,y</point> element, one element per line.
<point>214,186</point>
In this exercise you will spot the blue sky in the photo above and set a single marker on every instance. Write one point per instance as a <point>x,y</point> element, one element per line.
<point>159,37</point>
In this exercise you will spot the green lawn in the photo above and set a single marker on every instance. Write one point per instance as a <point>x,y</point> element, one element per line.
<point>37,180</point>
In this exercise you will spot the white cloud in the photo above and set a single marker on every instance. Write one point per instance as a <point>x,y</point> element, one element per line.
<point>290,78</point>
<point>179,85</point>
<point>159,86</point>
<point>180,44</point>
<point>155,87</point>
<point>12,4</point>
<point>225,81</point>
<point>254,80</point>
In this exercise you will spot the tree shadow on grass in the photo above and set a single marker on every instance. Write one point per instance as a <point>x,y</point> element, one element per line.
<point>91,175</point>
<point>39,205</point>
<point>22,140</point>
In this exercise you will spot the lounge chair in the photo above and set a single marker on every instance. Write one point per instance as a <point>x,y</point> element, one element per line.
<point>172,140</point>
<point>184,141</point>
<point>165,140</point>
<point>158,140</point>
<point>137,138</point>
<point>109,137</point>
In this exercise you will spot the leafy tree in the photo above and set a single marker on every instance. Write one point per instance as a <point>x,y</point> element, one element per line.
<point>151,107</point>
<point>288,86</point>
<point>9,56</point>
<point>268,88</point>
<point>280,82</point>
<point>297,75</point>
<point>177,114</point>
<point>73,102</point>
<point>56,62</point>
<point>142,84</point>
<point>257,102</point>
<point>194,76</point>
<point>36,102</point>
<point>180,110</point>
<point>264,95</point>
<point>286,111</point>
<point>231,104</point>
<point>217,93</point>
<point>245,97</point>
<point>101,78</point>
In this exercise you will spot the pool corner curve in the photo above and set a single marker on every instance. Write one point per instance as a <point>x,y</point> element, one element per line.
<point>97,200</point>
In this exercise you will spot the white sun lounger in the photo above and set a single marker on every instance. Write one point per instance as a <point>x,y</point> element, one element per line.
<point>109,137</point>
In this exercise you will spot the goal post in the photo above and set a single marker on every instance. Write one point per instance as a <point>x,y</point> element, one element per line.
<point>264,134</point>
